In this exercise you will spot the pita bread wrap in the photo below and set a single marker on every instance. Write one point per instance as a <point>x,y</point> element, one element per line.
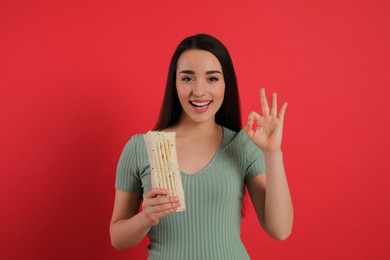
<point>161,148</point>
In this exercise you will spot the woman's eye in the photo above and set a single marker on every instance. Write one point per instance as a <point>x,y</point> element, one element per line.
<point>186,79</point>
<point>213,79</point>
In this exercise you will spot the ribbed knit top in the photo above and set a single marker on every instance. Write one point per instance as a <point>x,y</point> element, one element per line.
<point>209,228</point>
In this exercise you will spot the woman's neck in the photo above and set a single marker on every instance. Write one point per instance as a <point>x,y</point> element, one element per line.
<point>196,130</point>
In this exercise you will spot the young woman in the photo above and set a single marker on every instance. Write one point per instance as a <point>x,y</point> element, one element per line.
<point>217,161</point>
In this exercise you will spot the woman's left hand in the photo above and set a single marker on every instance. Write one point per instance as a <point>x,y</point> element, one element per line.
<point>268,132</point>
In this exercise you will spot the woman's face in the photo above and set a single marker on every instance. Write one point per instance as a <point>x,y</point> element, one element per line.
<point>200,85</point>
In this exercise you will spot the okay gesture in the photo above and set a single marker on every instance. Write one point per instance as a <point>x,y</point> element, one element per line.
<point>266,131</point>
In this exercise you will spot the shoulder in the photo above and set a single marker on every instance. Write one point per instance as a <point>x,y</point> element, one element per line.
<point>134,141</point>
<point>242,153</point>
<point>135,146</point>
<point>134,153</point>
<point>239,138</point>
<point>239,144</point>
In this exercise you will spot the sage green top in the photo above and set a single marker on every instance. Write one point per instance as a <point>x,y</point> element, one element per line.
<point>209,228</point>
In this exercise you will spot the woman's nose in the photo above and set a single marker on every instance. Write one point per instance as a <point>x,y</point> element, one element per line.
<point>199,89</point>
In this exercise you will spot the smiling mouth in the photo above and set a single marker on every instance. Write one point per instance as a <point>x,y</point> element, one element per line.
<point>200,104</point>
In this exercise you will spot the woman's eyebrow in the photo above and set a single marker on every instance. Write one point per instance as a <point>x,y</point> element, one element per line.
<point>193,73</point>
<point>213,71</point>
<point>187,72</point>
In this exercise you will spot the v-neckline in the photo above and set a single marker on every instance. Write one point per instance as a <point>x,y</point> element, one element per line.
<point>208,165</point>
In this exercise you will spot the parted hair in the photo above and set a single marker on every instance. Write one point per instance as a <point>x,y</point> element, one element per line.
<point>229,114</point>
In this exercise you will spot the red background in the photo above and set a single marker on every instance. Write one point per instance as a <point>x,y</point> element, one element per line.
<point>78,78</point>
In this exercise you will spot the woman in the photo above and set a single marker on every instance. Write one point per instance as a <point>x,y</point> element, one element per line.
<point>217,160</point>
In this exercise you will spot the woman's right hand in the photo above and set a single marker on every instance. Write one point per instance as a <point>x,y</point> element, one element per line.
<point>156,204</point>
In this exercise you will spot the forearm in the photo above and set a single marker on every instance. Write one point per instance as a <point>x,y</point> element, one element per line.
<point>127,233</point>
<point>278,213</point>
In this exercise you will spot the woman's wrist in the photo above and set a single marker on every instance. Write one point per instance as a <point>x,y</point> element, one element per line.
<point>272,152</point>
<point>142,220</point>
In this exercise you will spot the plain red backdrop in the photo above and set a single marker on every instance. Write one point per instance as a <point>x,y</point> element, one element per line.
<point>78,78</point>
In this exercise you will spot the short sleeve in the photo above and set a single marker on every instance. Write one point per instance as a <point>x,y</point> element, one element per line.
<point>127,172</point>
<point>255,163</point>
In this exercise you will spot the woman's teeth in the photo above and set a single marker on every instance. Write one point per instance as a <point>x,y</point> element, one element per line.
<point>200,104</point>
